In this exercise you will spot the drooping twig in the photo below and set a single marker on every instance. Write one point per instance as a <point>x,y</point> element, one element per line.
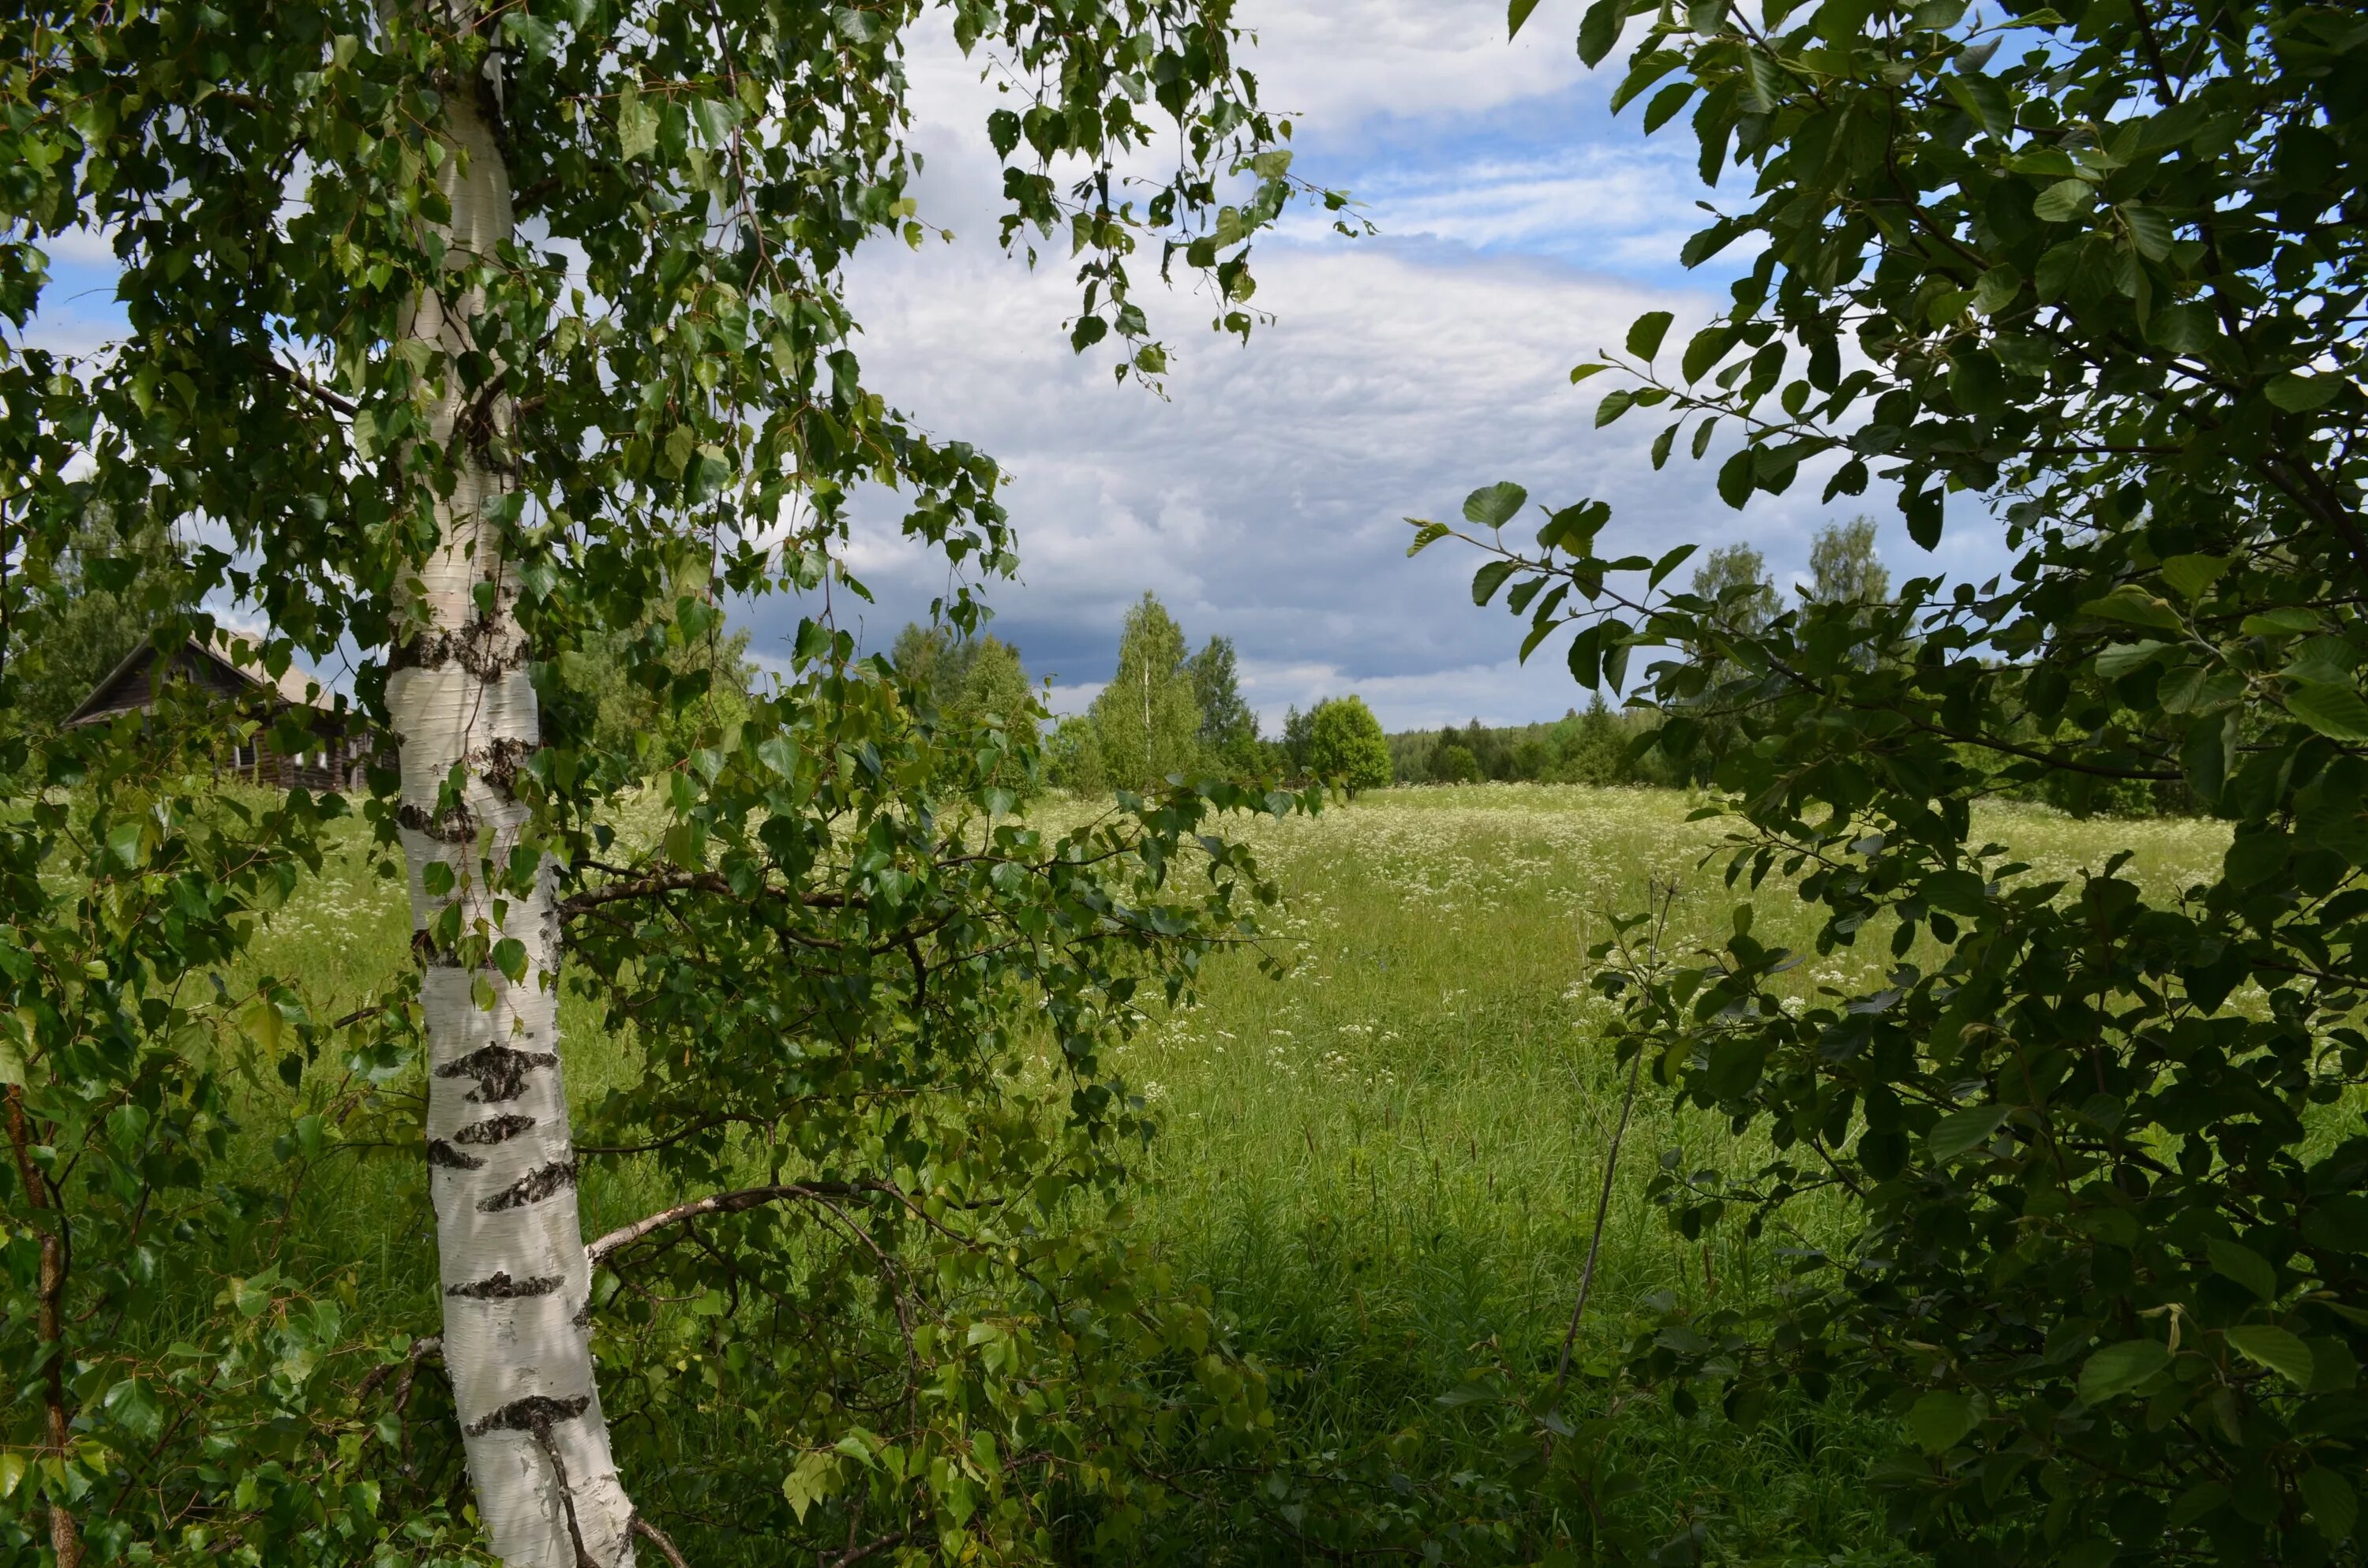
<point>656,1538</point>
<point>1602,1212</point>
<point>1612,1161</point>
<point>541,1431</point>
<point>870,1548</point>
<point>716,1203</point>
<point>821,1192</point>
<point>421,1348</point>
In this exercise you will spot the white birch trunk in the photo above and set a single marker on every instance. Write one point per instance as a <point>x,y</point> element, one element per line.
<point>502,1162</point>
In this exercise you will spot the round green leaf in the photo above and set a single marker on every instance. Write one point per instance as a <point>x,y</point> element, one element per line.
<point>2335,711</point>
<point>2118,1369</point>
<point>2270,1345</point>
<point>1940,1418</point>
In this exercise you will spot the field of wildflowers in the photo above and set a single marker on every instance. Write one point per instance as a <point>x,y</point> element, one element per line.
<point>1383,1166</point>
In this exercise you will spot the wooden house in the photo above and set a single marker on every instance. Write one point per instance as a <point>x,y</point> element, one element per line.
<point>344,740</point>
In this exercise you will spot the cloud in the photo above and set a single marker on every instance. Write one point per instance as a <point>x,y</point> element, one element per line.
<point>1264,498</point>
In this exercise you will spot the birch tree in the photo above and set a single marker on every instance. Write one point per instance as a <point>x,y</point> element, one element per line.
<point>516,1286</point>
<point>454,334</point>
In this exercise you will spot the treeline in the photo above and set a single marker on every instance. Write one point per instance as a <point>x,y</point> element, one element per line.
<point>1597,746</point>
<point>1168,710</point>
<point>1608,747</point>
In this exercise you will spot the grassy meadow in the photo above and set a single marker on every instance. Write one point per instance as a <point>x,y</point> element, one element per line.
<point>1384,1166</point>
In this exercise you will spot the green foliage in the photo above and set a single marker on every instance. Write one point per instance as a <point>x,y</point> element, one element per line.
<point>1073,757</point>
<point>1843,566</point>
<point>935,660</point>
<point>1598,746</point>
<point>1148,719</point>
<point>617,690</point>
<point>813,943</point>
<point>103,593</point>
<point>1229,733</point>
<point>1452,762</point>
<point>2100,266</point>
<point>1346,746</point>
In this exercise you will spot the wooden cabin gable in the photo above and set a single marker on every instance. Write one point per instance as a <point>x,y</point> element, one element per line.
<point>344,742</point>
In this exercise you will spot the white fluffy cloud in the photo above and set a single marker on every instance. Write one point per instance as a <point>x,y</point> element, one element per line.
<point>1264,498</point>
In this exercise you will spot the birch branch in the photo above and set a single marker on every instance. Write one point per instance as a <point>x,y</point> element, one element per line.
<point>749,1198</point>
<point>719,1203</point>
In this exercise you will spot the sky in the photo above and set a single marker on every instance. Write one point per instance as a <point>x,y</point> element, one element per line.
<point>1261,492</point>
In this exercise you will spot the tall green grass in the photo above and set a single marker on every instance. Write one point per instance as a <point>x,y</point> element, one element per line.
<point>1384,1167</point>
<point>1387,1166</point>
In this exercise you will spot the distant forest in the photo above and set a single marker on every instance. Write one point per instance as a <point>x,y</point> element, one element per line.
<point>1597,746</point>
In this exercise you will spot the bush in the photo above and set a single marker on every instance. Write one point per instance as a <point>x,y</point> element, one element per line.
<point>1346,746</point>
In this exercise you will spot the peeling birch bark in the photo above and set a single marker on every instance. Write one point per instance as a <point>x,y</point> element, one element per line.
<point>516,1285</point>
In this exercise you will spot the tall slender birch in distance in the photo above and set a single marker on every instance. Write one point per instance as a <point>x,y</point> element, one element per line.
<point>517,1288</point>
<point>462,379</point>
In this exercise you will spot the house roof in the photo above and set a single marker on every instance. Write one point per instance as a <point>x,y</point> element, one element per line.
<point>296,686</point>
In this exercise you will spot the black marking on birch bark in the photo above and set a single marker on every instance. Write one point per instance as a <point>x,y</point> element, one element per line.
<point>500,1072</point>
<point>487,649</point>
<point>535,1413</point>
<point>454,824</point>
<point>583,1318</point>
<point>439,1153</point>
<point>500,1287</point>
<point>501,762</point>
<point>532,1188</point>
<point>493,1129</point>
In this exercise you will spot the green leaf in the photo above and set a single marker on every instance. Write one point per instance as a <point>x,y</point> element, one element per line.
<point>2063,200</point>
<point>2190,329</point>
<point>2300,395</point>
<point>1599,29</point>
<point>2133,605</point>
<point>133,1405</point>
<point>2334,1508</point>
<point>1983,98</point>
<point>1704,351</point>
<point>263,1024</point>
<point>2335,711</point>
<point>1515,13</point>
<point>1495,505</point>
<point>1997,289</point>
<point>2189,575</point>
<point>1669,563</point>
<point>1573,529</point>
<point>2118,1369</point>
<point>2149,230</point>
<point>1491,577</point>
<point>1961,1131</point>
<point>1580,372</point>
<point>1666,105</point>
<point>816,1475</point>
<point>1612,405</point>
<point>1644,336</point>
<point>2280,1350</point>
<point>123,844</point>
<point>1425,534</point>
<point>637,124</point>
<point>2123,657</point>
<point>1939,1419</point>
<point>2339,1224</point>
<point>1923,511</point>
<point>1737,477</point>
<point>2287,620</point>
<point>2246,1267</point>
